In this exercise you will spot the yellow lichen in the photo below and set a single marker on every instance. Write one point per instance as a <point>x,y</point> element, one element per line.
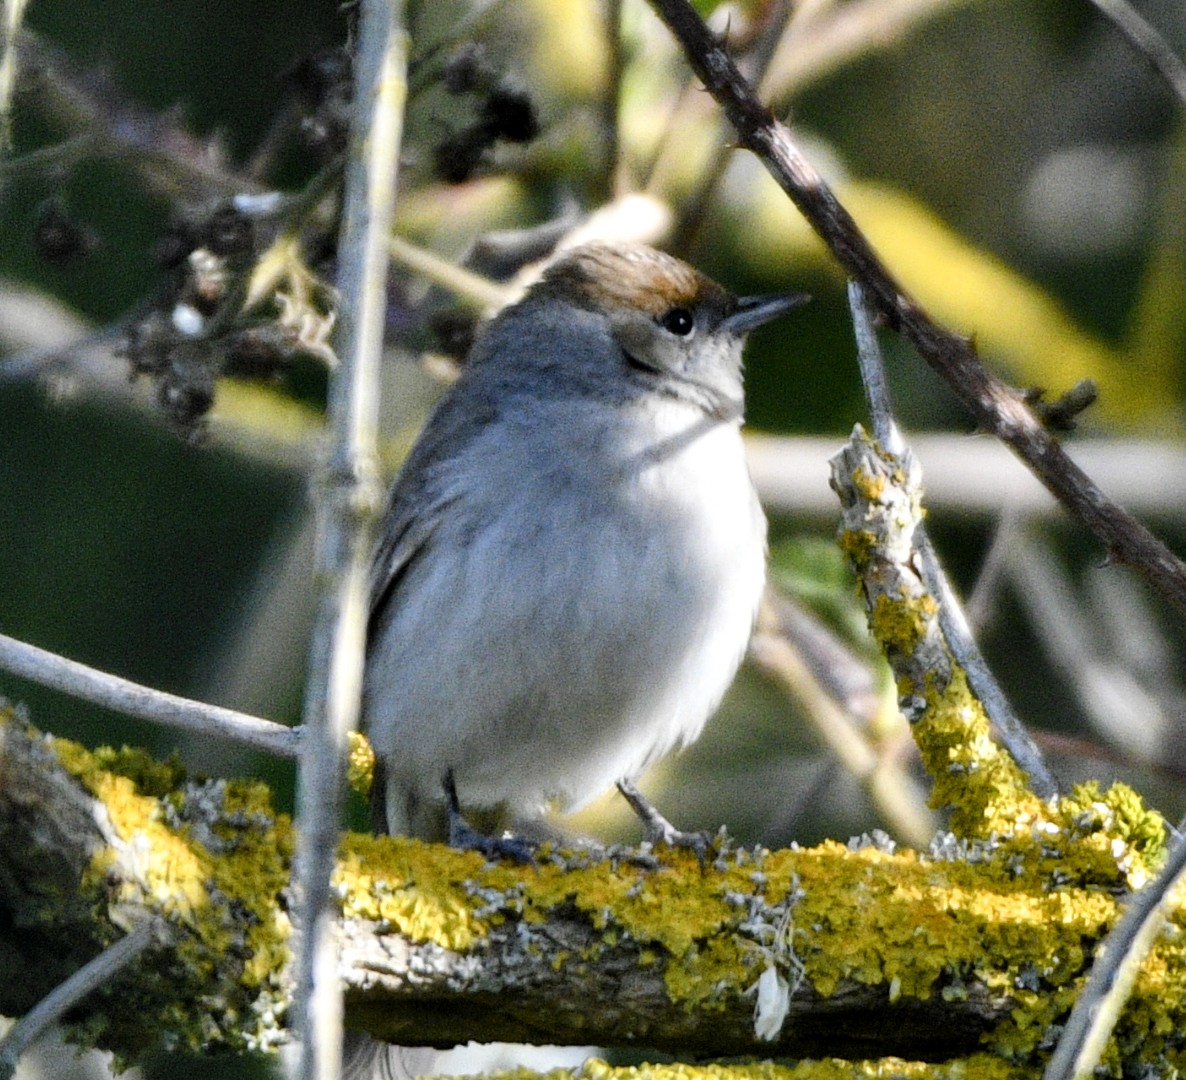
<point>1014,917</point>
<point>976,1067</point>
<point>971,773</point>
<point>857,545</point>
<point>901,625</point>
<point>223,979</point>
<point>360,763</point>
<point>170,873</point>
<point>391,879</point>
<point>870,486</point>
<point>1020,917</point>
<point>151,777</point>
<point>1117,814</point>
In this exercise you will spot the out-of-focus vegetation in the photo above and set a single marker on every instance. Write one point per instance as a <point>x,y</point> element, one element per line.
<point>1017,164</point>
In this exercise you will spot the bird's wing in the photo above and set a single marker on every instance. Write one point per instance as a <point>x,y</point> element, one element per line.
<point>419,498</point>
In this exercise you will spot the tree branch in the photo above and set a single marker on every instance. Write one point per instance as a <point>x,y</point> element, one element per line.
<point>132,699</point>
<point>1115,972</point>
<point>954,625</point>
<point>348,504</point>
<point>68,995</point>
<point>996,407</point>
<point>862,950</point>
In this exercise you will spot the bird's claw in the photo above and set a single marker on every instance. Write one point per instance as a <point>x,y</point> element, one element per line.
<point>464,837</point>
<point>658,830</point>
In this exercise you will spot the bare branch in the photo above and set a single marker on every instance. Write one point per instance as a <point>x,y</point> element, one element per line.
<point>996,407</point>
<point>132,699</point>
<point>349,500</point>
<point>66,995</point>
<point>474,289</point>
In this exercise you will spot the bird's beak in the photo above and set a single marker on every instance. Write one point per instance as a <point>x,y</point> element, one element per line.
<point>754,310</point>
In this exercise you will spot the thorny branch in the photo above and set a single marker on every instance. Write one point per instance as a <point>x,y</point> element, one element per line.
<point>997,408</point>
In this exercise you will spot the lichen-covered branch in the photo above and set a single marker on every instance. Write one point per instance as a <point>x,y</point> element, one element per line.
<point>984,788</point>
<point>881,508</point>
<point>93,845</point>
<point>957,635</point>
<point>858,951</point>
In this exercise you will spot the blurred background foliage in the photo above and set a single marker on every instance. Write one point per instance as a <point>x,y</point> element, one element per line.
<point>1017,164</point>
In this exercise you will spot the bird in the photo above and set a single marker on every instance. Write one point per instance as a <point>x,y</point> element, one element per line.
<point>570,563</point>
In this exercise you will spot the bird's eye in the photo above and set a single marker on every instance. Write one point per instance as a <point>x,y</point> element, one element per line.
<point>678,321</point>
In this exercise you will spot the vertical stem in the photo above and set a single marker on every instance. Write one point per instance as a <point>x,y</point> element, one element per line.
<point>348,498</point>
<point>952,620</point>
<point>11,13</point>
<point>611,95</point>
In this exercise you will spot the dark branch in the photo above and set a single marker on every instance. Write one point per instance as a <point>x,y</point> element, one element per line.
<point>417,995</point>
<point>997,408</point>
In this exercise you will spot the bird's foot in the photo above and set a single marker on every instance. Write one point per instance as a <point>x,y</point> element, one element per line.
<point>658,830</point>
<point>464,837</point>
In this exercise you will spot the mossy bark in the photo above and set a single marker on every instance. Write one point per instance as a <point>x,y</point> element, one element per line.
<point>857,952</point>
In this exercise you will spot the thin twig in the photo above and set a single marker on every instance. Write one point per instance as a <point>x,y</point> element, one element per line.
<point>474,289</point>
<point>11,14</point>
<point>997,408</point>
<point>955,627</point>
<point>348,504</point>
<point>609,101</point>
<point>899,799</point>
<point>1144,37</point>
<point>88,978</point>
<point>1118,960</point>
<point>123,696</point>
